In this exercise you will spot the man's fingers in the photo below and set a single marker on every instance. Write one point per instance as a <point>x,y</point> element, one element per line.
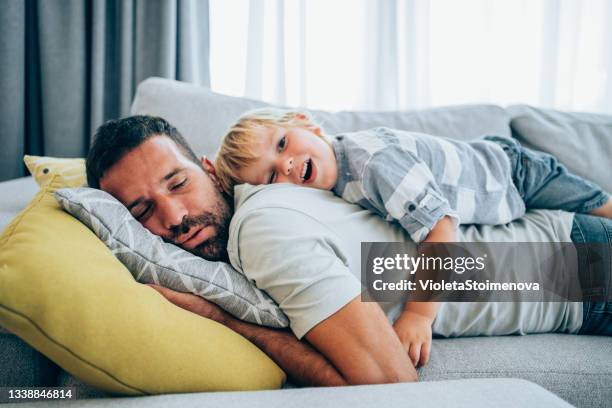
<point>165,292</point>
<point>192,303</point>
<point>414,352</point>
<point>424,354</point>
<point>158,288</point>
<point>178,298</point>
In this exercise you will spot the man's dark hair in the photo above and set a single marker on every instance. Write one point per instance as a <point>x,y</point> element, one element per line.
<point>115,138</point>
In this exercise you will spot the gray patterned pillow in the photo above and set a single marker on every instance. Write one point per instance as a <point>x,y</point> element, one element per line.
<point>151,260</point>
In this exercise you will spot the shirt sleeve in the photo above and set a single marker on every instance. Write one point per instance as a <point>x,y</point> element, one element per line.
<point>298,262</point>
<point>402,187</point>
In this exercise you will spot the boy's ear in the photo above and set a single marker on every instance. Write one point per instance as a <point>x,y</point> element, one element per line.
<point>209,167</point>
<point>316,130</point>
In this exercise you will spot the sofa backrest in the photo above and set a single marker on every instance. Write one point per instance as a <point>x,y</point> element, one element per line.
<point>582,141</point>
<point>203,116</point>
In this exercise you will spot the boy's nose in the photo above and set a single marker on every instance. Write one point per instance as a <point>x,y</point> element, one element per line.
<point>288,166</point>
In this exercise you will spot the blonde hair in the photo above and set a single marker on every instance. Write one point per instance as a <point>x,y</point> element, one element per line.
<point>237,148</point>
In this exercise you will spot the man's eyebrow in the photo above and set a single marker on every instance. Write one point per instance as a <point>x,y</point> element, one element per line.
<point>173,173</point>
<point>167,177</point>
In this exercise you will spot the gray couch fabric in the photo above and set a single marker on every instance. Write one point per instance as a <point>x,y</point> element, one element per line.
<point>14,196</point>
<point>581,141</point>
<point>576,368</point>
<point>203,116</point>
<point>501,393</point>
<point>22,366</point>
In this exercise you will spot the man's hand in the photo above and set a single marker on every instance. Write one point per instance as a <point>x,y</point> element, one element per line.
<point>302,363</point>
<point>362,345</point>
<point>414,332</point>
<point>193,303</point>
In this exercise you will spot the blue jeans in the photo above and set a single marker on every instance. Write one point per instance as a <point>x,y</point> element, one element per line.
<point>596,316</point>
<point>545,183</point>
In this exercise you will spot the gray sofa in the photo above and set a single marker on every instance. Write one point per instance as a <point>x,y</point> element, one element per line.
<point>482,371</point>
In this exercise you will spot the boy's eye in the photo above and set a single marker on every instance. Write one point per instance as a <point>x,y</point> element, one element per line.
<point>179,185</point>
<point>282,143</point>
<point>272,177</point>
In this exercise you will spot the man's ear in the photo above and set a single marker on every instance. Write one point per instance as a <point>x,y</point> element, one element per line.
<point>209,167</point>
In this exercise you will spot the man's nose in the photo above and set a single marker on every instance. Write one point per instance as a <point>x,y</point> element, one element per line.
<point>172,211</point>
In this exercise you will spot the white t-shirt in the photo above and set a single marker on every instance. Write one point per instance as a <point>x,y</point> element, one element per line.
<point>303,247</point>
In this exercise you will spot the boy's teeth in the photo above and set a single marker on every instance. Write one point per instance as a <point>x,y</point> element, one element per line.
<point>307,172</point>
<point>304,169</point>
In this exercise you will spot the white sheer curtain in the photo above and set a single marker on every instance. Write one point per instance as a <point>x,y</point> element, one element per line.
<point>407,54</point>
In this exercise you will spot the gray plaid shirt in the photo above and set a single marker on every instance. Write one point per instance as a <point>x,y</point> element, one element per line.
<point>416,179</point>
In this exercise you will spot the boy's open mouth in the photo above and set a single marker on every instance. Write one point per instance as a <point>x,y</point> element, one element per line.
<point>307,171</point>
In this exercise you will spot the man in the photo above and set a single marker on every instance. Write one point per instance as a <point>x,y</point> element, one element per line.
<point>147,165</point>
<point>303,236</point>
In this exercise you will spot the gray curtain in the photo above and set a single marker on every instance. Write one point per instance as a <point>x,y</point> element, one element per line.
<point>69,65</point>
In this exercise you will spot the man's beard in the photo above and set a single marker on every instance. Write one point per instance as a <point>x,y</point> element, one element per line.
<point>215,247</point>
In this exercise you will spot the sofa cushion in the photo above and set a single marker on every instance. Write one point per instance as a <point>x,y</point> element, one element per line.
<point>68,172</point>
<point>472,393</point>
<point>22,366</point>
<point>203,116</point>
<point>463,122</point>
<point>581,141</point>
<point>81,390</point>
<point>16,194</point>
<point>65,294</point>
<point>576,368</point>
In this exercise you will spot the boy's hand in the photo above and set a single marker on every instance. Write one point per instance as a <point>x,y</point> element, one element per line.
<point>414,331</point>
<point>413,327</point>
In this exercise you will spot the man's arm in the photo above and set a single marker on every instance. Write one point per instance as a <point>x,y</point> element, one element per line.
<point>361,343</point>
<point>358,338</point>
<point>301,264</point>
<point>302,364</point>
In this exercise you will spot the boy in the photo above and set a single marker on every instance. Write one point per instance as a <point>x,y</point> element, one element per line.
<point>428,184</point>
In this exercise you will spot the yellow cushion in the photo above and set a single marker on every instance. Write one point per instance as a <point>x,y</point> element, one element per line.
<point>64,172</point>
<point>63,292</point>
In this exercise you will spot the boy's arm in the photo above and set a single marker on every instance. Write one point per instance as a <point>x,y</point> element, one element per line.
<point>413,326</point>
<point>443,231</point>
<point>406,191</point>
